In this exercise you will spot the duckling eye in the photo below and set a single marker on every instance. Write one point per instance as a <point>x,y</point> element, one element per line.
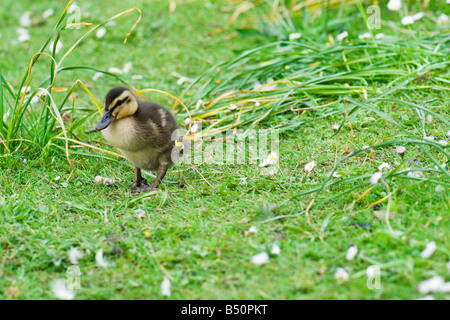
<point>120,102</point>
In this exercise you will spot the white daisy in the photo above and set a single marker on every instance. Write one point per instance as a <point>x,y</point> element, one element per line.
<point>272,158</point>
<point>295,36</point>
<point>198,104</point>
<point>418,16</point>
<point>74,255</point>
<point>232,106</point>
<point>341,275</point>
<point>400,150</point>
<point>430,285</point>
<point>375,177</point>
<point>187,121</point>
<point>342,36</point>
<point>25,20</point>
<point>60,290</point>
<point>310,165</point>
<point>99,259</point>
<point>275,249</point>
<point>127,67</point>
<point>407,20</point>
<point>394,5</point>
<point>335,127</point>
<point>115,70</point>
<point>384,165</point>
<point>257,104</point>
<point>429,250</point>
<point>260,258</point>
<point>379,36</point>
<point>366,35</point>
<point>351,252</point>
<point>47,13</point>
<point>59,45</point>
<point>442,19</point>
<point>100,32</point>
<point>97,75</point>
<point>165,287</point>
<point>252,230</point>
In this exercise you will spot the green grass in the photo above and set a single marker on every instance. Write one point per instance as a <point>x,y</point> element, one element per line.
<point>196,235</point>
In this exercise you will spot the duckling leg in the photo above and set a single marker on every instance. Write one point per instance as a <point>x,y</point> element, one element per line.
<point>162,169</point>
<point>137,178</point>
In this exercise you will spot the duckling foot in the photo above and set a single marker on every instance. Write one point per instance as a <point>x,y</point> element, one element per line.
<point>142,189</point>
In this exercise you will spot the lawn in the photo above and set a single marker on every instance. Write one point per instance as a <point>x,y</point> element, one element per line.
<point>341,101</point>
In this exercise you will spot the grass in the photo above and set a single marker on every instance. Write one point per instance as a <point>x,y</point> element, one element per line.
<point>196,235</point>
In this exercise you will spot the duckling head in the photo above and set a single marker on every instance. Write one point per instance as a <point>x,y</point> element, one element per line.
<point>120,102</point>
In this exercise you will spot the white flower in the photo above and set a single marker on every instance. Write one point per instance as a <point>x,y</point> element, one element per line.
<point>165,287</point>
<point>257,104</point>
<point>34,100</point>
<point>341,275</point>
<point>243,180</point>
<point>179,144</point>
<point>187,121</point>
<point>25,19</point>
<point>394,5</point>
<point>372,271</point>
<point>275,249</point>
<point>47,13</point>
<point>194,128</point>
<point>97,75</point>
<point>74,255</point>
<point>407,20</point>
<point>23,34</point>
<point>272,158</point>
<point>418,16</point>
<point>384,165</point>
<point>379,36</point>
<point>430,285</point>
<point>137,77</point>
<point>400,150</point>
<point>140,213</point>
<point>429,250</point>
<point>445,287</point>
<point>232,106</point>
<point>59,45</point>
<point>260,258</point>
<point>427,297</point>
<point>60,290</point>
<point>99,258</point>
<point>127,67</point>
<point>336,175</point>
<point>253,230</point>
<point>375,177</point>
<point>415,174</point>
<point>100,32</point>
<point>335,127</point>
<point>365,147</point>
<point>431,137</point>
<point>351,252</point>
<point>181,80</point>
<point>442,19</point>
<point>443,142</point>
<point>342,36</point>
<point>294,36</point>
<point>198,104</point>
<point>310,165</point>
<point>115,70</point>
<point>363,36</point>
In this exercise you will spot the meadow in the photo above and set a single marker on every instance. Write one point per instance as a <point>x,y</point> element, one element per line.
<point>354,203</point>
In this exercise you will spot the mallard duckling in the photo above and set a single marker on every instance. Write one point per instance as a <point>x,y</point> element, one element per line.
<point>143,131</point>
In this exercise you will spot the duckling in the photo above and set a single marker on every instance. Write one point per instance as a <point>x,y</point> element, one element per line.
<point>144,132</point>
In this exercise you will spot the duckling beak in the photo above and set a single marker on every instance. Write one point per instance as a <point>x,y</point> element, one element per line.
<point>106,120</point>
